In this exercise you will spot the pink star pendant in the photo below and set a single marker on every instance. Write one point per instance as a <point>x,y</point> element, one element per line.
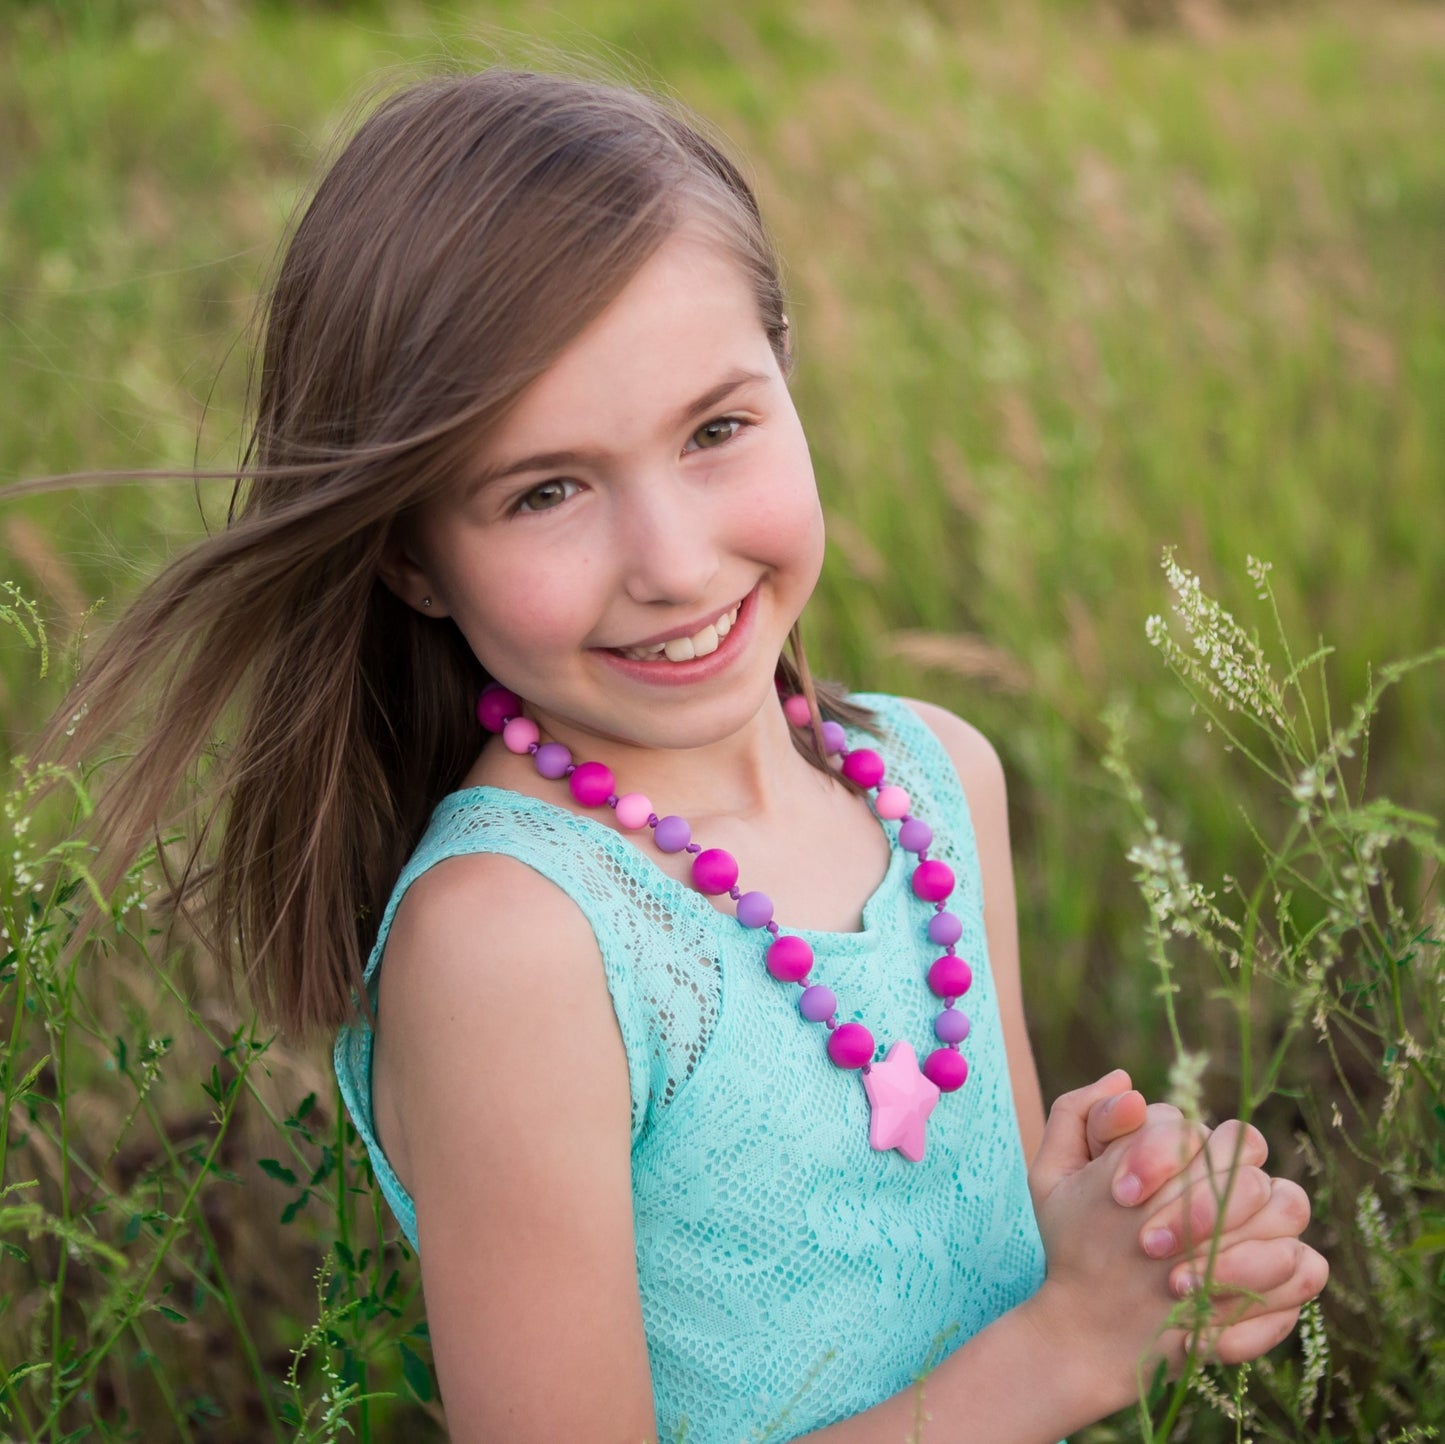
<point>902,1098</point>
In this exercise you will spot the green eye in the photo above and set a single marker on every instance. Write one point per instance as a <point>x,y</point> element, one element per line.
<point>546,495</point>
<point>714,433</point>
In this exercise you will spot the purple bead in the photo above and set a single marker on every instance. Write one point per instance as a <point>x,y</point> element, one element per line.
<point>672,834</point>
<point>950,976</point>
<point>755,909</point>
<point>714,871</point>
<point>817,1003</point>
<point>932,880</point>
<point>835,739</point>
<point>850,1045</point>
<point>951,1026</point>
<point>944,928</point>
<point>552,760</point>
<point>865,767</point>
<point>789,959</point>
<point>945,1069</point>
<point>915,835</point>
<point>592,783</point>
<point>495,705</point>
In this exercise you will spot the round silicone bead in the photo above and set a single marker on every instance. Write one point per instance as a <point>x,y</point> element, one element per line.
<point>495,705</point>
<point>592,783</point>
<point>891,803</point>
<point>945,1069</point>
<point>817,1003</point>
<point>633,810</point>
<point>865,767</point>
<point>552,760</point>
<point>672,834</point>
<point>835,739</point>
<point>932,880</point>
<point>519,734</point>
<point>795,709</point>
<point>789,959</point>
<point>850,1045</point>
<point>755,909</point>
<point>950,976</point>
<point>951,1026</point>
<point>944,928</point>
<point>714,871</point>
<point>915,835</point>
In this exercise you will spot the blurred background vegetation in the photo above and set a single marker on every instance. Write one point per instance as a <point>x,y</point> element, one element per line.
<point>1071,281</point>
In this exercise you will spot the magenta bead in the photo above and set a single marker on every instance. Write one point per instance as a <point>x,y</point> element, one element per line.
<point>915,835</point>
<point>795,709</point>
<point>864,767</point>
<point>818,1003</point>
<point>552,760</point>
<point>944,928</point>
<point>951,1026</point>
<point>519,734</point>
<point>850,1045</point>
<point>592,783</point>
<point>945,1069</point>
<point>891,803</point>
<point>714,871</point>
<point>789,959</point>
<point>950,976</point>
<point>633,810</point>
<point>835,739</point>
<point>672,834</point>
<point>755,909</point>
<point>495,705</point>
<point>932,880</point>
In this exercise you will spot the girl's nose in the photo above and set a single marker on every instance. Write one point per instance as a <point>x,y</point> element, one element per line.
<point>670,551</point>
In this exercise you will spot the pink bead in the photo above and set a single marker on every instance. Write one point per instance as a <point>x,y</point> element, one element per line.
<point>519,734</point>
<point>945,1069</point>
<point>795,709</point>
<point>714,871</point>
<point>864,767</point>
<point>891,803</point>
<point>850,1045</point>
<point>592,783</point>
<point>495,705</point>
<point>950,976</point>
<point>633,810</point>
<point>932,880</point>
<point>789,959</point>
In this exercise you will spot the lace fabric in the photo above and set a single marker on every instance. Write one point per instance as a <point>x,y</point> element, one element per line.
<point>790,1276</point>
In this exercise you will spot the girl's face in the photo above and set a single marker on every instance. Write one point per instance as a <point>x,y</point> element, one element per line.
<point>644,528</point>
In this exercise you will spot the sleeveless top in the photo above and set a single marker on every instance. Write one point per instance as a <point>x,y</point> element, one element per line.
<point>790,1275</point>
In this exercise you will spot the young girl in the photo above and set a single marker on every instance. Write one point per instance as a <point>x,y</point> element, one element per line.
<point>679,998</point>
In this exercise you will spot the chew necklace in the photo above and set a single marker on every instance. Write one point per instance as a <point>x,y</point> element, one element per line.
<point>901,1096</point>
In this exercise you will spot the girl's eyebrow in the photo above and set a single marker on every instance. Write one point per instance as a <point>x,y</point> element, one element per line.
<point>558,460</point>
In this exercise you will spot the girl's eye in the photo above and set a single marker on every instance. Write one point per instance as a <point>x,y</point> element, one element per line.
<point>546,495</point>
<point>715,432</point>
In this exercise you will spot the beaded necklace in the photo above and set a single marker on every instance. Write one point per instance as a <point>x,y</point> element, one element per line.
<point>901,1095</point>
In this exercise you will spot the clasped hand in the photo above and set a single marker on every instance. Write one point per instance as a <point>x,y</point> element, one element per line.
<point>1139,1209</point>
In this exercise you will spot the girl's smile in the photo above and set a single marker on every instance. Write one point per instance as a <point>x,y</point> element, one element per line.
<point>643,529</point>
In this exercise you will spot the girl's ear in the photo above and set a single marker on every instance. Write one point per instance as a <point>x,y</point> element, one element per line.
<point>406,577</point>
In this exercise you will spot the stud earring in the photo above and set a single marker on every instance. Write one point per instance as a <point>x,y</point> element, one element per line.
<point>426,601</point>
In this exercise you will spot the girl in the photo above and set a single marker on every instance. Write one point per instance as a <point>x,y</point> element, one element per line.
<point>696,1069</point>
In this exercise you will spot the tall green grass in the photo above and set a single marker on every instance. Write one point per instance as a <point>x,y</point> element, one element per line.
<point>1067,290</point>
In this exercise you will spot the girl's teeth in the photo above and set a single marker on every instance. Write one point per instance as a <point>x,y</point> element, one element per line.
<point>724,624</point>
<point>684,649</point>
<point>680,649</point>
<point>704,642</point>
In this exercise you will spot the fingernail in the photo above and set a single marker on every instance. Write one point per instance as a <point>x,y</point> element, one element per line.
<point>1127,1189</point>
<point>1187,1284</point>
<point>1159,1242</point>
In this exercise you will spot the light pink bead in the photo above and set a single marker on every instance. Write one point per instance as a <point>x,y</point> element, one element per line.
<point>892,803</point>
<point>850,1045</point>
<point>633,810</point>
<point>592,783</point>
<point>795,709</point>
<point>519,734</point>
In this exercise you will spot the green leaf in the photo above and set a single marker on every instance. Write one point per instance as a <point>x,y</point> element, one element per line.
<point>414,1369</point>
<point>174,1315</point>
<point>295,1206</point>
<point>274,1169</point>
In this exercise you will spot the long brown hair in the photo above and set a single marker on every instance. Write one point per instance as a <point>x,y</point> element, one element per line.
<point>469,230</point>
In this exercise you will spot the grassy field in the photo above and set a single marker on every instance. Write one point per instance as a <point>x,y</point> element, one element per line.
<point>1071,283</point>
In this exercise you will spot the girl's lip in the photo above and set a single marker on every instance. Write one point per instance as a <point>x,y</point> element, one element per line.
<point>699,669</point>
<point>676,632</point>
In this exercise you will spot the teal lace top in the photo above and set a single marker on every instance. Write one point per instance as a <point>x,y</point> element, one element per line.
<point>790,1275</point>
